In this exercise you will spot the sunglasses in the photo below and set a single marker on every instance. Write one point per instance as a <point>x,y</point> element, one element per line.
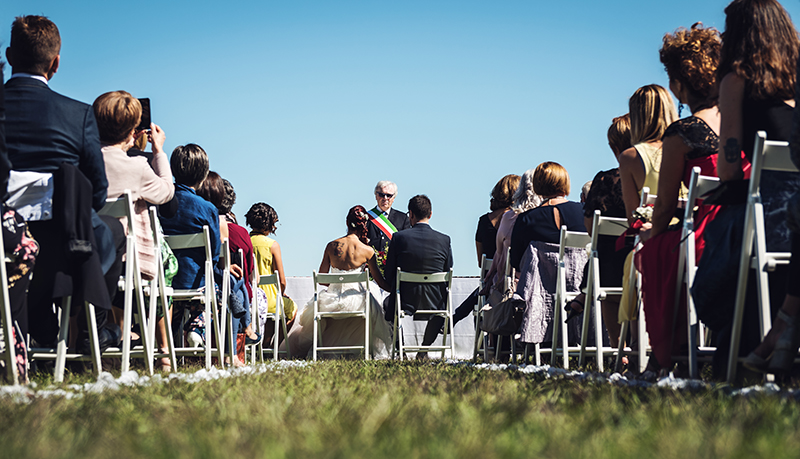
<point>384,195</point>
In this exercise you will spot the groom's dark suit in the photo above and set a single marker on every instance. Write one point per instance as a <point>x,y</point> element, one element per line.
<point>419,249</point>
<point>377,239</point>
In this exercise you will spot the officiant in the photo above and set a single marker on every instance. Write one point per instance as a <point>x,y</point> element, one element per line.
<point>385,221</point>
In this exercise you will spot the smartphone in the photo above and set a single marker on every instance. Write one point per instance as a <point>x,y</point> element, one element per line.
<point>145,123</point>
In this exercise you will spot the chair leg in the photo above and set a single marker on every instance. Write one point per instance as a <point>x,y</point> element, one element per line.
<point>94,340</point>
<point>537,353</point>
<point>513,349</point>
<point>63,337</point>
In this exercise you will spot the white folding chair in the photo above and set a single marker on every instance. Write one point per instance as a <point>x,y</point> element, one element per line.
<point>699,185</point>
<point>433,278</point>
<point>480,339</point>
<point>596,293</point>
<point>278,316</point>
<point>571,239</point>
<point>635,282</point>
<point>131,284</point>
<point>157,290</point>
<point>768,155</point>
<point>319,316</point>
<point>8,355</point>
<point>225,316</point>
<point>205,295</point>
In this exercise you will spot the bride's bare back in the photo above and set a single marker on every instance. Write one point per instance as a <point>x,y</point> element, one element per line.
<point>348,253</point>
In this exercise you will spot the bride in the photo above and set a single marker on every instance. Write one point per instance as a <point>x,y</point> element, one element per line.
<point>348,254</point>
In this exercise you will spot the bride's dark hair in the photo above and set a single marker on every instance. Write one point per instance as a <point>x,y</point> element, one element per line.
<point>357,220</point>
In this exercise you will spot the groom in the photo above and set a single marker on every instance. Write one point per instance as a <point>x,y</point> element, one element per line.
<point>383,220</point>
<point>423,250</point>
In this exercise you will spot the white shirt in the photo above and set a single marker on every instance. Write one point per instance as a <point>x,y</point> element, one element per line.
<point>28,75</point>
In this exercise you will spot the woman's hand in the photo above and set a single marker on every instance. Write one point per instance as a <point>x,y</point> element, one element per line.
<point>237,271</point>
<point>156,137</point>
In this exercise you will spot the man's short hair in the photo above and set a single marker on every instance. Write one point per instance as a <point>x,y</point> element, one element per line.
<point>420,206</point>
<point>189,164</point>
<point>117,114</point>
<point>384,183</point>
<point>35,42</point>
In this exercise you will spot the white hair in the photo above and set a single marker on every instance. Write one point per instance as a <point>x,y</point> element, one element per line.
<point>524,198</point>
<point>585,190</point>
<point>384,183</point>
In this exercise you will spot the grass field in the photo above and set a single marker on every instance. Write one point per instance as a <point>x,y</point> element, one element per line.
<point>391,409</point>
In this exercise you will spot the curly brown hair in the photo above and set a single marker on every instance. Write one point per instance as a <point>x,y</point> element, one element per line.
<point>262,218</point>
<point>760,45</point>
<point>691,56</point>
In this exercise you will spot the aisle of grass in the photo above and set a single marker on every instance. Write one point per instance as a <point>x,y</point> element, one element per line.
<point>387,409</point>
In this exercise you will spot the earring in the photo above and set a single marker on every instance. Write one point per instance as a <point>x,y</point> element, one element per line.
<point>680,110</point>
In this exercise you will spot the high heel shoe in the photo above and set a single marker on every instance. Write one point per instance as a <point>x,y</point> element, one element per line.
<point>572,312</point>
<point>786,347</point>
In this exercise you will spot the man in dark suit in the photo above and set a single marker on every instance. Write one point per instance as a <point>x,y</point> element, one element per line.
<point>43,130</point>
<point>383,220</point>
<point>419,249</point>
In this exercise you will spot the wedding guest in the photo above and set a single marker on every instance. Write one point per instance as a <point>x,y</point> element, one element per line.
<point>486,234</point>
<point>757,93</point>
<point>50,133</point>
<point>690,58</point>
<point>262,220</point>
<point>118,114</point>
<point>189,165</point>
<point>651,111</point>
<point>543,223</point>
<point>384,221</point>
<point>605,195</point>
<point>585,191</point>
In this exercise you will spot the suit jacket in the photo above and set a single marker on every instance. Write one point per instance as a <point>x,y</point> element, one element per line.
<point>377,239</point>
<point>419,249</point>
<point>5,164</point>
<point>45,129</point>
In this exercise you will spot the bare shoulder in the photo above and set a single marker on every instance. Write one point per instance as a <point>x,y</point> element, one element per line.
<point>628,158</point>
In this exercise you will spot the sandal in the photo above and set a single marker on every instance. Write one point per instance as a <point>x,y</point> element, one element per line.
<point>163,364</point>
<point>572,312</point>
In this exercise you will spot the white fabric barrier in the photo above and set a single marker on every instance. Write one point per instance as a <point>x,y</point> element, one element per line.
<point>301,290</point>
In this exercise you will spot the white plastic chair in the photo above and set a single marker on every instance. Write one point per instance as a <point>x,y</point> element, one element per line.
<point>699,185</point>
<point>131,284</point>
<point>433,278</point>
<point>596,293</point>
<point>768,155</point>
<point>480,336</point>
<point>571,239</point>
<point>205,295</point>
<point>319,316</point>
<point>277,316</point>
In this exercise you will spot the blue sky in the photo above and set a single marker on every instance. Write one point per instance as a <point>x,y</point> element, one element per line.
<point>305,105</point>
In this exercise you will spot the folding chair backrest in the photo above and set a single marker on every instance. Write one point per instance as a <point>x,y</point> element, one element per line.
<point>769,155</point>
<point>190,241</point>
<point>342,278</point>
<point>434,278</point>
<point>270,279</point>
<point>573,239</point>
<point>699,186</point>
<point>486,264</point>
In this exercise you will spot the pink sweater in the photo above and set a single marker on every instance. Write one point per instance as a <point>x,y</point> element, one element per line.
<point>147,185</point>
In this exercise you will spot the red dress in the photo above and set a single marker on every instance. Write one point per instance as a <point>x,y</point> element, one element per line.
<point>657,261</point>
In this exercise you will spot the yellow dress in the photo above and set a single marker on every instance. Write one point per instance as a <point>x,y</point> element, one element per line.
<point>262,246</point>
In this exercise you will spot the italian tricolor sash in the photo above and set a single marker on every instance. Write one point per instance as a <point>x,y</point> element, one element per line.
<point>382,222</point>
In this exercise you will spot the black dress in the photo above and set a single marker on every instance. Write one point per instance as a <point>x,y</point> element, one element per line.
<point>605,195</point>
<point>486,234</point>
<point>539,224</point>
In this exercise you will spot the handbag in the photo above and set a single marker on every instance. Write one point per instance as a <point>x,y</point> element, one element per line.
<point>713,290</point>
<point>505,318</point>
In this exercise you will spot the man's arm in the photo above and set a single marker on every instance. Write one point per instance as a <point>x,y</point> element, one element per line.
<point>91,160</point>
<point>390,268</point>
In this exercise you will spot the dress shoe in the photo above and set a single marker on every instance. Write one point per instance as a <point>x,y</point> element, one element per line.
<point>108,336</point>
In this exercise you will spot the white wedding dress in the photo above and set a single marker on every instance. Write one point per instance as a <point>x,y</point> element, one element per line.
<point>345,331</point>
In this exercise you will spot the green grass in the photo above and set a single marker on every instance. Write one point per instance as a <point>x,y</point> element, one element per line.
<point>390,409</point>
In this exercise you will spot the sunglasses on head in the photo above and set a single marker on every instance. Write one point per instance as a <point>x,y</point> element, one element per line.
<point>384,195</point>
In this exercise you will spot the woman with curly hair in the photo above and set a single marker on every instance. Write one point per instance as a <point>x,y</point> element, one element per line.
<point>263,219</point>
<point>347,254</point>
<point>690,57</point>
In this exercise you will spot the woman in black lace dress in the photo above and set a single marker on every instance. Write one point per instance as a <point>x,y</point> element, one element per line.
<point>690,58</point>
